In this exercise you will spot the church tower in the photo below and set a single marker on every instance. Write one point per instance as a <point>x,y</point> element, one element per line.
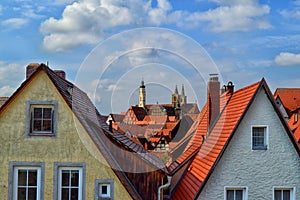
<point>182,96</point>
<point>175,98</point>
<point>142,95</point>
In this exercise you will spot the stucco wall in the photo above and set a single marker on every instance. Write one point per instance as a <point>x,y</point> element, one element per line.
<point>258,170</point>
<point>72,143</point>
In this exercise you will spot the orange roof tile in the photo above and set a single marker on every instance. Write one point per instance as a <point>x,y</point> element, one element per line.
<point>290,98</point>
<point>295,128</point>
<point>210,150</point>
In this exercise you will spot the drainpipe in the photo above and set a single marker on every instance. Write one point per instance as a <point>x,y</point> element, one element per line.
<point>164,186</point>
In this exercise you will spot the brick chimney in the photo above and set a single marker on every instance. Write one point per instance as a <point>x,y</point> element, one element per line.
<point>61,73</point>
<point>213,99</point>
<point>30,69</point>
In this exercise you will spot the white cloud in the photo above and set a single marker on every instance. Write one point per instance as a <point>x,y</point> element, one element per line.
<point>11,76</point>
<point>287,59</point>
<point>88,21</point>
<point>63,2</point>
<point>14,23</point>
<point>234,18</point>
<point>6,90</point>
<point>290,13</point>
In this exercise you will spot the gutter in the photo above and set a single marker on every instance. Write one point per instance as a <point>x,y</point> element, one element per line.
<point>164,186</point>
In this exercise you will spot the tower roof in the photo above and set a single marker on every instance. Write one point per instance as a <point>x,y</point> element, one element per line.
<point>176,90</point>
<point>142,84</point>
<point>182,90</point>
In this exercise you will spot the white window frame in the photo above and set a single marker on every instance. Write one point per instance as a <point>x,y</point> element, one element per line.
<point>14,167</point>
<point>79,181</point>
<point>244,188</point>
<point>266,137</point>
<point>107,195</point>
<point>110,191</point>
<point>292,191</point>
<point>58,167</point>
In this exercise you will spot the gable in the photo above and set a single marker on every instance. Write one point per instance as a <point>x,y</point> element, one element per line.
<point>256,169</point>
<point>72,143</point>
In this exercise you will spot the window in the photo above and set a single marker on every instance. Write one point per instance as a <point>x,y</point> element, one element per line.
<point>104,189</point>
<point>283,193</point>
<point>26,181</point>
<point>259,138</point>
<point>236,193</point>
<point>69,181</point>
<point>41,118</point>
<point>295,117</point>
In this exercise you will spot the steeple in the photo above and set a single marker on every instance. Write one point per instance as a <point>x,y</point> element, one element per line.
<point>182,96</point>
<point>176,90</point>
<point>175,98</point>
<point>142,94</point>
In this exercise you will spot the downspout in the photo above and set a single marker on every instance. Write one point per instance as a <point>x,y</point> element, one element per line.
<point>164,186</point>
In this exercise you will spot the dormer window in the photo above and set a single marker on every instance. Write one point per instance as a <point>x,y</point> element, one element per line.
<point>41,118</point>
<point>259,138</point>
<point>295,117</point>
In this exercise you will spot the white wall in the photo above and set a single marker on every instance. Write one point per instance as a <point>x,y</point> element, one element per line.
<point>258,170</point>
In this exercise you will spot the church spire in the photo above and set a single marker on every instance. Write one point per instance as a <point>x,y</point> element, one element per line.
<point>142,94</point>
<point>182,90</point>
<point>176,90</point>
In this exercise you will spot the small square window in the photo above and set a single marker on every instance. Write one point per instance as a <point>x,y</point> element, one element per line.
<point>41,118</point>
<point>104,189</point>
<point>283,194</point>
<point>259,138</point>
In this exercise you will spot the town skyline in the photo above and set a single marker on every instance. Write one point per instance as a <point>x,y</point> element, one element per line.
<point>245,40</point>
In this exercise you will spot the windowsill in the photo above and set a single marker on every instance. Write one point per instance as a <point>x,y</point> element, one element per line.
<point>41,134</point>
<point>260,148</point>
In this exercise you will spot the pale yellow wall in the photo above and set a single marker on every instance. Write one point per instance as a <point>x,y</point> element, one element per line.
<point>69,146</point>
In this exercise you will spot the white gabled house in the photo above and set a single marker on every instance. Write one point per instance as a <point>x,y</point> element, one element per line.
<point>249,154</point>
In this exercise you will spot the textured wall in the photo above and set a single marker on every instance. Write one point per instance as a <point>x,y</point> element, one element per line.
<point>71,145</point>
<point>258,170</point>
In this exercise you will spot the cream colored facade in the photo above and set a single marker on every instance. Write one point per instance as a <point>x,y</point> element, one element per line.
<point>72,144</point>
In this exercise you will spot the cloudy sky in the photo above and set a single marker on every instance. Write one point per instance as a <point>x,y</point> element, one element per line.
<point>107,46</point>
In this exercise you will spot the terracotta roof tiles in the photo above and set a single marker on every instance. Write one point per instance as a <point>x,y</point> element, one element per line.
<point>210,150</point>
<point>290,98</point>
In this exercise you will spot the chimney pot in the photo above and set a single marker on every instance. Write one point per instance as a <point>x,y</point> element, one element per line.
<point>230,87</point>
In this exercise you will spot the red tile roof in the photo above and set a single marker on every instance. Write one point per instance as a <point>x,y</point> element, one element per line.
<point>290,98</point>
<point>211,150</point>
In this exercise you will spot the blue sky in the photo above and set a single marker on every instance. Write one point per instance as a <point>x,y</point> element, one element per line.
<point>245,39</point>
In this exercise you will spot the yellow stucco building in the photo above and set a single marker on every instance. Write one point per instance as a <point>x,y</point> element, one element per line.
<point>46,151</point>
